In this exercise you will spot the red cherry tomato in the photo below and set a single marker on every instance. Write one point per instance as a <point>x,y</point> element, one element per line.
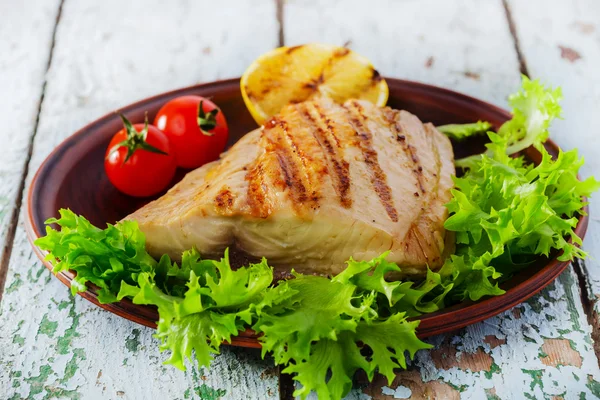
<point>196,128</point>
<point>139,161</point>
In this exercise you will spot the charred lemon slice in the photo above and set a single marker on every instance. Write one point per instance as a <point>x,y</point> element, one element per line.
<point>290,75</point>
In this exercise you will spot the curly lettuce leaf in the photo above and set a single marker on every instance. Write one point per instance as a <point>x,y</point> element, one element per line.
<point>371,276</point>
<point>396,296</point>
<point>217,304</point>
<point>534,107</point>
<point>462,131</point>
<point>104,257</point>
<point>318,309</point>
<point>332,363</point>
<point>329,369</point>
<point>321,327</point>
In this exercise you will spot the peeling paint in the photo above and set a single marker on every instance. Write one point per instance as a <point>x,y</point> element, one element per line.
<point>207,393</point>
<point>559,352</point>
<point>572,304</point>
<point>412,381</point>
<point>132,343</point>
<point>569,54</point>
<point>73,364</point>
<point>446,357</point>
<point>593,385</point>
<point>16,283</point>
<point>494,341</point>
<point>36,383</point>
<point>47,327</point>
<point>18,339</point>
<point>64,342</point>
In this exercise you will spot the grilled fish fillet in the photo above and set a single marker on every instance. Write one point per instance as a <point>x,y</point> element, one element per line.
<point>319,183</point>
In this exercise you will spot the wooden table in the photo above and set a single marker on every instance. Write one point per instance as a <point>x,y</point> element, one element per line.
<point>64,63</point>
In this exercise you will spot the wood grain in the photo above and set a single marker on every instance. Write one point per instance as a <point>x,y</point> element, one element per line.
<point>26,30</point>
<point>466,46</point>
<point>108,54</point>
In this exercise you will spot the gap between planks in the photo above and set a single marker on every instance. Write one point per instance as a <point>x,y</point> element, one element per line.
<point>286,385</point>
<point>279,6</point>
<point>14,217</point>
<point>585,294</point>
<point>513,33</point>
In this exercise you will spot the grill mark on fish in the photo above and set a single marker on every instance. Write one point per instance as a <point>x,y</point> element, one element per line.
<point>289,160</point>
<point>338,167</point>
<point>377,175</point>
<point>258,201</point>
<point>409,149</point>
<point>417,168</point>
<point>285,169</point>
<point>330,129</point>
<point>300,149</point>
<point>224,201</point>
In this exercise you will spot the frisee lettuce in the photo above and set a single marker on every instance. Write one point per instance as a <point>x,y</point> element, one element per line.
<point>504,213</point>
<point>534,108</point>
<point>463,131</point>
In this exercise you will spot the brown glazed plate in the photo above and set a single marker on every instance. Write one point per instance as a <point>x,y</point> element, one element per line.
<point>73,177</point>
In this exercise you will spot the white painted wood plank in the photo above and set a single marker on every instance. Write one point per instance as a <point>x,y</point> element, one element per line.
<point>441,43</point>
<point>560,43</point>
<point>541,348</point>
<point>462,45</point>
<point>25,39</point>
<point>107,55</point>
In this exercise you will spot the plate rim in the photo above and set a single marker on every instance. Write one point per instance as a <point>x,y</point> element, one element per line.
<point>442,321</point>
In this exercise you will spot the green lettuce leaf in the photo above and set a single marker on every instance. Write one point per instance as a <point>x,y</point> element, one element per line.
<point>104,257</point>
<point>217,304</point>
<point>320,328</point>
<point>463,131</point>
<point>533,109</point>
<point>318,309</point>
<point>329,369</point>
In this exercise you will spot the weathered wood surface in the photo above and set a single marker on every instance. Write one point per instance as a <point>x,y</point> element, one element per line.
<point>539,349</point>
<point>108,54</point>
<point>24,49</point>
<point>560,46</point>
<point>448,47</point>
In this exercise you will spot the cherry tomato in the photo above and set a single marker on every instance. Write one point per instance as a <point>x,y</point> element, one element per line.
<point>196,128</point>
<point>139,161</point>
